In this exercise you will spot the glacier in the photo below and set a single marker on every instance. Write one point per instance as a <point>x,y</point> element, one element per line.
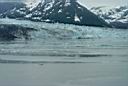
<point>64,31</point>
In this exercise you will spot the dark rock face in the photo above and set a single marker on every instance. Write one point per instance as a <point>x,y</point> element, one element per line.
<point>11,32</point>
<point>62,11</point>
<point>117,24</point>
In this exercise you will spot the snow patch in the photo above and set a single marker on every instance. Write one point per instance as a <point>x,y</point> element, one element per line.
<point>49,5</point>
<point>47,20</point>
<point>36,18</point>
<point>37,13</point>
<point>60,11</point>
<point>77,18</point>
<point>31,4</point>
<point>67,3</point>
<point>21,12</point>
<point>28,16</point>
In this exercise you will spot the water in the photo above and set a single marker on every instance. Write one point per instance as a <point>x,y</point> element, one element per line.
<point>60,43</point>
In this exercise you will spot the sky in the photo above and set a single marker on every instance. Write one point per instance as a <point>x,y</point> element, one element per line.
<point>92,3</point>
<point>112,3</point>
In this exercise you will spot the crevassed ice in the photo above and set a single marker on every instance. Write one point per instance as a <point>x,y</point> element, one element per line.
<point>57,30</point>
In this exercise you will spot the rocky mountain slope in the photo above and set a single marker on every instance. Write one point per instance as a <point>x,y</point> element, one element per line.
<point>62,11</point>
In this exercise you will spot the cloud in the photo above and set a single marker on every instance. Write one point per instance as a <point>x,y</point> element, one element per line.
<point>112,3</point>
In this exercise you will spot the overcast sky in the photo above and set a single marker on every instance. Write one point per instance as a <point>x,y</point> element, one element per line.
<point>91,3</point>
<point>112,3</point>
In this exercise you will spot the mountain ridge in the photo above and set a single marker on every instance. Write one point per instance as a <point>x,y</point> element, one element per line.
<point>62,11</point>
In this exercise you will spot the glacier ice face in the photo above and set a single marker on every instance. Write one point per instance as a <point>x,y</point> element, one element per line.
<point>45,31</point>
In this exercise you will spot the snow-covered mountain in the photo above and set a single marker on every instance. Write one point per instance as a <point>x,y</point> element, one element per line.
<point>117,17</point>
<point>62,11</point>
